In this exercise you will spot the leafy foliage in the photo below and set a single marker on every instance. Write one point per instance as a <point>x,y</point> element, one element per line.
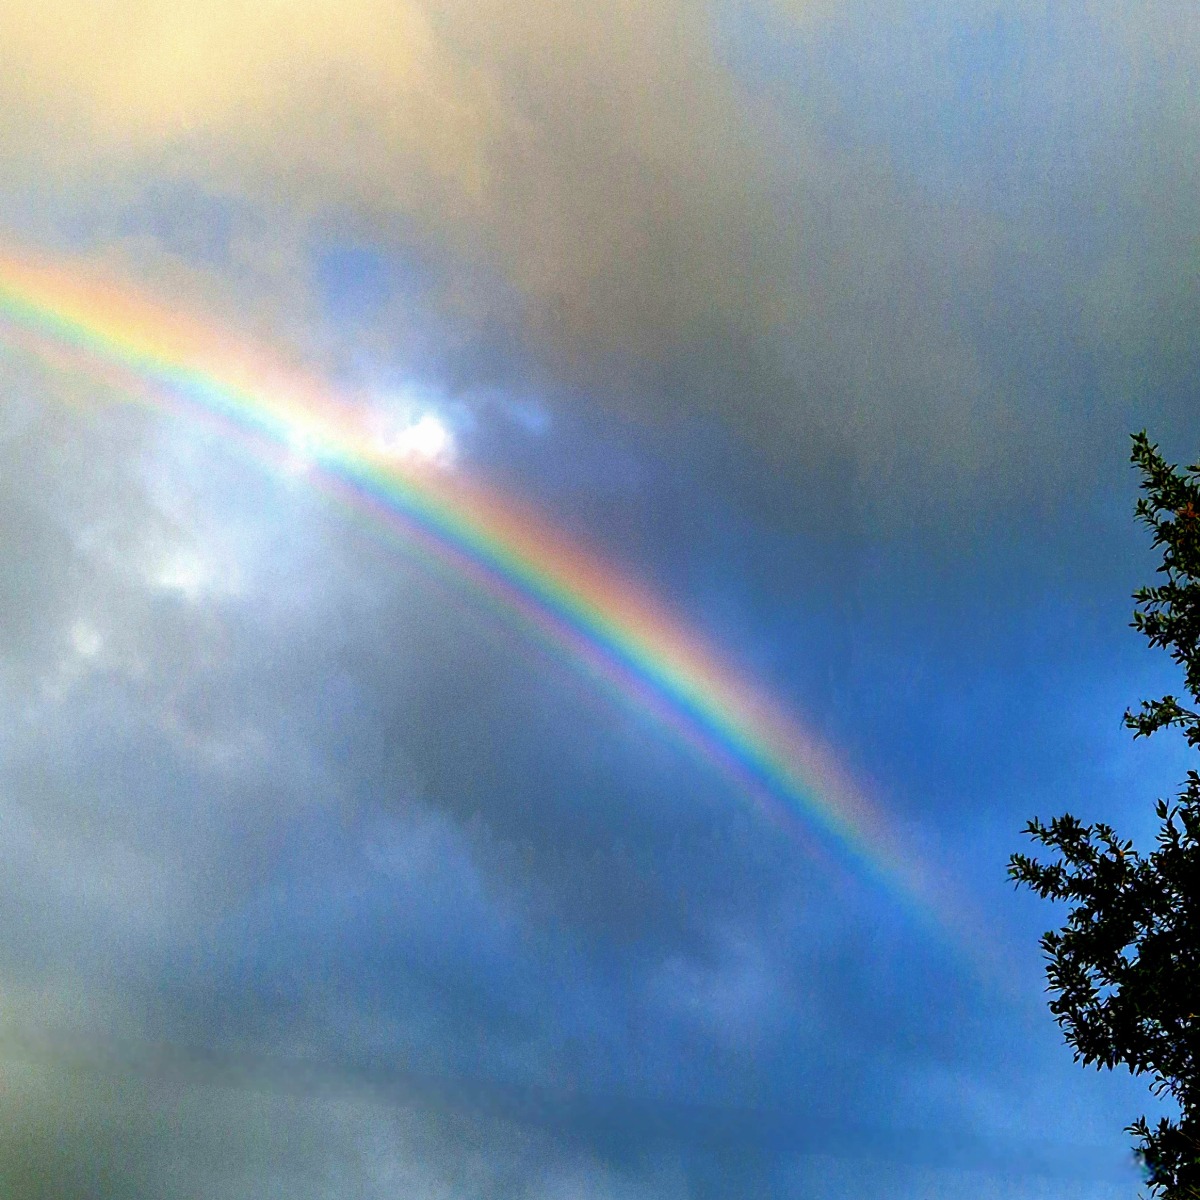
<point>1124,971</point>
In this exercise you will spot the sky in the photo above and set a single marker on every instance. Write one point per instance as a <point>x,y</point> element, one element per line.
<point>824,325</point>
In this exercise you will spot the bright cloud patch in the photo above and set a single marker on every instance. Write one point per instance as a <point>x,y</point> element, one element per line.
<point>426,438</point>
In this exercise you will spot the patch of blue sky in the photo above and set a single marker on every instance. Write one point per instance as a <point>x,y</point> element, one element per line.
<point>178,216</point>
<point>356,282</point>
<point>184,219</point>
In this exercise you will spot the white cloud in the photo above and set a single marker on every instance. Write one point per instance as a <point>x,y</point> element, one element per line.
<point>423,439</point>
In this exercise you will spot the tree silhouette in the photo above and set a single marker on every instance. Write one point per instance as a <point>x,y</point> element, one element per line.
<point>1124,971</point>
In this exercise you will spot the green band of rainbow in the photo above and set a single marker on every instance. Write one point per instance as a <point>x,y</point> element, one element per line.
<point>605,623</point>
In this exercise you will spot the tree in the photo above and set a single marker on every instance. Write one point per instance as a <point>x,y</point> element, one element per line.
<point>1124,971</point>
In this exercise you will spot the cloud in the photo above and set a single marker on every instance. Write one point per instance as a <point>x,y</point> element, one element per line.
<point>804,246</point>
<point>600,158</point>
<point>352,866</point>
<point>601,165</point>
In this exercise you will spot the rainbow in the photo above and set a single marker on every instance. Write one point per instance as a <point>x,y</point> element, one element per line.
<point>606,624</point>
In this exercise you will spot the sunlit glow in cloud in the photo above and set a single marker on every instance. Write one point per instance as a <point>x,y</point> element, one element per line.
<point>185,573</point>
<point>302,452</point>
<point>86,640</point>
<point>82,649</point>
<point>425,439</point>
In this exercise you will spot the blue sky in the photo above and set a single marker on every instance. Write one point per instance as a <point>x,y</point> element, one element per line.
<point>829,325</point>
